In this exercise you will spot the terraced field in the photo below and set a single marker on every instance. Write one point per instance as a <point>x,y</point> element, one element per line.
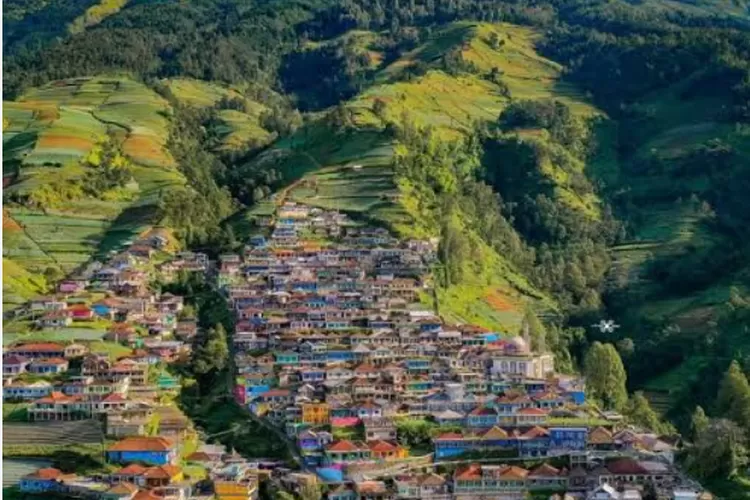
<point>454,103</point>
<point>352,170</point>
<point>236,129</point>
<point>47,133</point>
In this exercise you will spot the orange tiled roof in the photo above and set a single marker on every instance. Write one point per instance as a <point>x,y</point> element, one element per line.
<point>39,347</point>
<point>382,446</point>
<point>47,473</point>
<point>344,445</point>
<point>142,444</point>
<point>470,472</point>
<point>513,472</point>
<point>131,470</point>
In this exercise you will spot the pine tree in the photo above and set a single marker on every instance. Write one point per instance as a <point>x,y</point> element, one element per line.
<point>733,401</point>
<point>605,376</point>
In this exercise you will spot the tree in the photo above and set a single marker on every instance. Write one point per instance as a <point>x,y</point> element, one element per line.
<point>495,41</point>
<point>718,452</point>
<point>536,331</point>
<point>639,411</point>
<point>212,356</point>
<point>626,347</point>
<point>733,401</point>
<point>53,274</point>
<point>378,107</point>
<point>698,422</point>
<point>605,376</point>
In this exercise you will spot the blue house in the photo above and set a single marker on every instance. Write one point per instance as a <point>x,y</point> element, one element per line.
<point>418,365</point>
<point>534,443</point>
<point>568,438</point>
<point>342,355</point>
<point>451,445</point>
<point>102,310</point>
<point>41,481</point>
<point>150,450</point>
<point>482,417</point>
<point>288,358</point>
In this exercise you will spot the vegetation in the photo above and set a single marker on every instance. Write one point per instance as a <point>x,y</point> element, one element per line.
<point>605,377</point>
<point>583,160</point>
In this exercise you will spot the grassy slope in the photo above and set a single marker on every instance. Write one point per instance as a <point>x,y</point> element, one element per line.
<point>352,171</point>
<point>235,129</point>
<point>47,132</point>
<point>669,227</point>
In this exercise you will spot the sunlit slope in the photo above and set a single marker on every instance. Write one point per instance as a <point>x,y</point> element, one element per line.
<point>349,166</point>
<point>49,132</point>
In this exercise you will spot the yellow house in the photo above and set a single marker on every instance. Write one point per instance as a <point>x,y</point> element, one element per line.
<point>383,450</point>
<point>315,413</point>
<point>236,490</point>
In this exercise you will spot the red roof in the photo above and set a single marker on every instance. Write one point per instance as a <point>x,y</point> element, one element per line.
<point>55,397</point>
<point>343,445</point>
<point>131,470</point>
<point>545,470</point>
<point>48,474</point>
<point>470,472</point>
<point>163,472</point>
<point>37,347</point>
<point>625,466</point>
<point>142,444</point>
<point>114,398</point>
<point>382,446</point>
<point>514,472</point>
<point>536,432</point>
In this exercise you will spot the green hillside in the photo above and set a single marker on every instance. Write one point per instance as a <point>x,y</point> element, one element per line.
<point>344,159</point>
<point>234,129</point>
<point>52,134</point>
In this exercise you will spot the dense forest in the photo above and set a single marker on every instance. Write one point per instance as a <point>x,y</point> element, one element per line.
<point>492,187</point>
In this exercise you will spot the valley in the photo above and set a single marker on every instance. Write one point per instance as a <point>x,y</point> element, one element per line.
<point>571,161</point>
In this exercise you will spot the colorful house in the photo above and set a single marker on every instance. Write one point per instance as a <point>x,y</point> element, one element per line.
<point>14,364</point>
<point>41,481</point>
<point>315,413</point>
<point>346,451</point>
<point>151,450</point>
<point>384,450</point>
<point>48,366</point>
<point>569,438</point>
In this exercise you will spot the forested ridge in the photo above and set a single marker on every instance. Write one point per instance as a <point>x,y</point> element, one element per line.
<point>636,212</point>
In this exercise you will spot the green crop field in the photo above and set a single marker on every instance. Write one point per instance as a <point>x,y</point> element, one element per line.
<point>47,133</point>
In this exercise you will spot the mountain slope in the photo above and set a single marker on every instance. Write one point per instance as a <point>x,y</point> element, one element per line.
<point>52,136</point>
<point>345,159</point>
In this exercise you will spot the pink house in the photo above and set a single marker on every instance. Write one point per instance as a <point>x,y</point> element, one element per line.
<point>71,286</point>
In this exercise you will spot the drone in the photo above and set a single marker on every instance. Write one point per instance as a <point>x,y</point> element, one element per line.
<point>606,326</point>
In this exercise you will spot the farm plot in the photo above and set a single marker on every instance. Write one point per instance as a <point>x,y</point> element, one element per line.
<point>237,130</point>
<point>69,241</point>
<point>67,139</point>
<point>347,189</point>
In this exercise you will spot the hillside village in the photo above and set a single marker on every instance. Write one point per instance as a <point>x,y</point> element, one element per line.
<point>338,355</point>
